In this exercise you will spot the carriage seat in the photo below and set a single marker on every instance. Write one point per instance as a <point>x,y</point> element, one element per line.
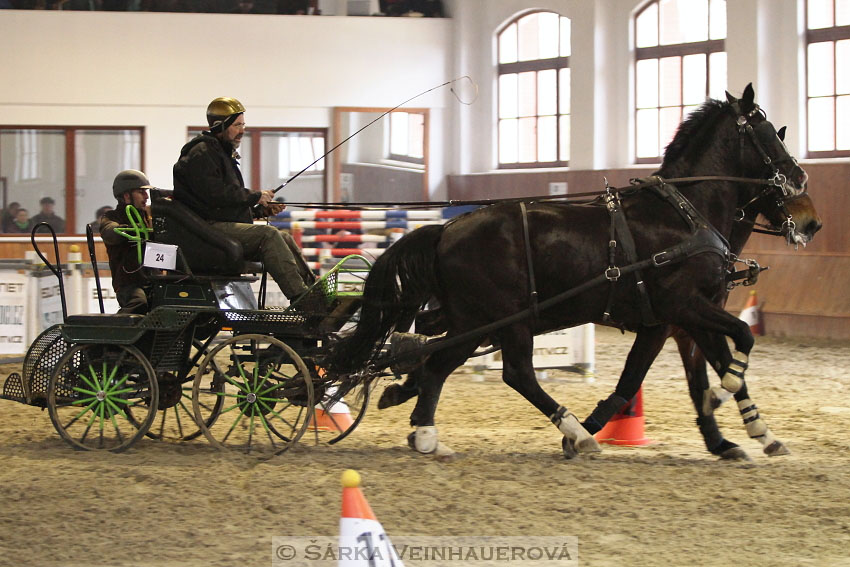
<point>206,251</point>
<point>106,319</point>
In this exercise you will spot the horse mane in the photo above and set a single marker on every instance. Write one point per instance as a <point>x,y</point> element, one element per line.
<point>692,134</point>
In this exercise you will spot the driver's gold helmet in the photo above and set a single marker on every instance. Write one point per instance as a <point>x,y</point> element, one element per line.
<point>222,112</point>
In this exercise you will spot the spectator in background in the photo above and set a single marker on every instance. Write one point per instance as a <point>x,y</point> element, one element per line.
<point>21,223</point>
<point>47,215</point>
<point>98,214</point>
<point>9,216</point>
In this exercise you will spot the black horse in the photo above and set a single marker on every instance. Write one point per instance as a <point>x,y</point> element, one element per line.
<point>645,259</point>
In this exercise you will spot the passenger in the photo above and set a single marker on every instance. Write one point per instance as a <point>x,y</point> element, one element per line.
<point>207,179</point>
<point>130,187</point>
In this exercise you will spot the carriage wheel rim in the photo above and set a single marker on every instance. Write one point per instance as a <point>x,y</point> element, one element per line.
<point>251,403</point>
<point>105,396</point>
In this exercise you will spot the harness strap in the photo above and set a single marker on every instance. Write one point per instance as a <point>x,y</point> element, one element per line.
<point>628,243</point>
<point>532,286</point>
<point>620,228</point>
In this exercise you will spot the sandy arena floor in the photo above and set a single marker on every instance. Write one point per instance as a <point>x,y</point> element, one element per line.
<point>671,503</point>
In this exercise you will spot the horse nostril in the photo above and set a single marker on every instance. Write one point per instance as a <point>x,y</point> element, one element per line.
<point>813,226</point>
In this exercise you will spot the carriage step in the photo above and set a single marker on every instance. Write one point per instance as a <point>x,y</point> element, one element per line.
<point>13,389</point>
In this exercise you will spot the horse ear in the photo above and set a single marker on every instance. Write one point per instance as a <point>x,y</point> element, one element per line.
<point>781,133</point>
<point>749,95</point>
<point>730,99</point>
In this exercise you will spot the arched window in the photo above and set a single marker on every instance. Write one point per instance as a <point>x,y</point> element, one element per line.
<point>534,91</point>
<point>680,60</point>
<point>828,77</point>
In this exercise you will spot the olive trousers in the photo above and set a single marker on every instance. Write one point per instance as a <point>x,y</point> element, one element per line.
<point>275,249</point>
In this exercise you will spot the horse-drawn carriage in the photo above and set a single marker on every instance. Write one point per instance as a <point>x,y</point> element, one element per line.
<point>656,257</point>
<point>204,360</point>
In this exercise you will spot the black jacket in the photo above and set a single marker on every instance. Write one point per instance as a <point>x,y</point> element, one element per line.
<point>208,181</point>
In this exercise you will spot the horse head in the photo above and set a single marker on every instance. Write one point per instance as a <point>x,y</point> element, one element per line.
<point>783,199</point>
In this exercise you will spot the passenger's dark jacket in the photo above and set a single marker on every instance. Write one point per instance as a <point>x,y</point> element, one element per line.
<point>123,257</point>
<point>208,181</point>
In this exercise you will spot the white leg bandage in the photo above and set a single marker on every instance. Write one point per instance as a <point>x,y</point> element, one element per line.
<point>568,424</point>
<point>733,379</point>
<point>756,427</point>
<point>426,442</point>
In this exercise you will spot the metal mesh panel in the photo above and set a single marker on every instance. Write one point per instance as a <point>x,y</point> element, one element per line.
<point>167,318</point>
<point>169,350</point>
<point>268,320</point>
<point>42,357</point>
<point>13,388</point>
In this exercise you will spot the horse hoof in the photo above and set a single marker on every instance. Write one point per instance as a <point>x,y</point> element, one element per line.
<point>569,447</point>
<point>734,454</point>
<point>776,449</point>
<point>588,445</point>
<point>393,395</point>
<point>439,452</point>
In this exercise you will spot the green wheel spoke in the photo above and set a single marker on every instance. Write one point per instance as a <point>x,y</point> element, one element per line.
<point>96,384</point>
<point>251,427</point>
<point>117,429</point>
<point>88,425</point>
<point>268,430</point>
<point>233,427</point>
<point>237,384</point>
<point>230,408</point>
<point>272,389</point>
<point>177,417</point>
<point>83,391</point>
<point>240,395</point>
<point>112,389</point>
<point>82,413</point>
<point>269,410</point>
<point>115,408</point>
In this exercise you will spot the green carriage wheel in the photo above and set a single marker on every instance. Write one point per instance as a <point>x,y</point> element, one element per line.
<point>102,397</point>
<point>267,395</point>
<point>175,419</point>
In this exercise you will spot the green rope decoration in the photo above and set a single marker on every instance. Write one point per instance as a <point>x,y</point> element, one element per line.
<point>137,232</point>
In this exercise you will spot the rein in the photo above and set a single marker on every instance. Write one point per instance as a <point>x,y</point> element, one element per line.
<point>414,205</point>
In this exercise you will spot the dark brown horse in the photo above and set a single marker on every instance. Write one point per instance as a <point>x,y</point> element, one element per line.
<point>512,270</point>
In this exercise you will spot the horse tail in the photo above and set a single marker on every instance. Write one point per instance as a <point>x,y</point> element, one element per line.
<point>399,284</point>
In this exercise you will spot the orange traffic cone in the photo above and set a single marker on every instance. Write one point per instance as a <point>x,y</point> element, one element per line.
<point>626,427</point>
<point>331,416</point>
<point>751,315</point>
<point>358,519</point>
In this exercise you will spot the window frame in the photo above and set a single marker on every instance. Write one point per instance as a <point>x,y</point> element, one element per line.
<point>833,34</point>
<point>534,65</point>
<point>407,158</point>
<point>658,52</point>
<point>71,162</point>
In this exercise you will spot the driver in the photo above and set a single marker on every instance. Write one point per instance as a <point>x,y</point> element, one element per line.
<point>130,187</point>
<point>207,179</point>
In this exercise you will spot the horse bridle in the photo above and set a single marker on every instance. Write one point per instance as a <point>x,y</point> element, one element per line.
<point>777,186</point>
